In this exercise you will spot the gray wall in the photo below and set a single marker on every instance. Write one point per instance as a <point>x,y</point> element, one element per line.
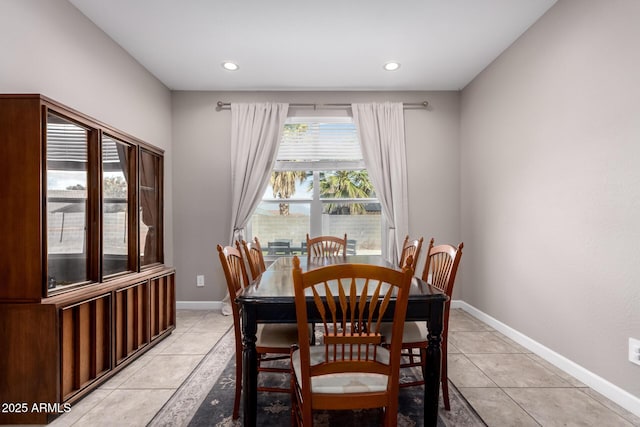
<point>534,166</point>
<point>202,216</point>
<point>550,137</point>
<point>49,47</point>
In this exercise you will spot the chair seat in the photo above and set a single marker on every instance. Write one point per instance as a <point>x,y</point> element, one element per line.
<point>274,335</point>
<point>414,332</point>
<point>341,383</point>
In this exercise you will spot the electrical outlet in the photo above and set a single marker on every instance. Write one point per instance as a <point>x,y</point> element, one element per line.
<point>200,280</point>
<point>634,351</point>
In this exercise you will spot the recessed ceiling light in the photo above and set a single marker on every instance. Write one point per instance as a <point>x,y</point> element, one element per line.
<point>230,66</point>
<point>391,66</point>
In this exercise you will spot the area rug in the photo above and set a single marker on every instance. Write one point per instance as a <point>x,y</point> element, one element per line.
<point>206,399</point>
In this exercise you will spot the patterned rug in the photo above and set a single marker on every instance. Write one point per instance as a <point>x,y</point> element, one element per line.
<point>206,399</point>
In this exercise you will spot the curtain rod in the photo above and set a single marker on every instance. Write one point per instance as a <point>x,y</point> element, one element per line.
<point>226,105</point>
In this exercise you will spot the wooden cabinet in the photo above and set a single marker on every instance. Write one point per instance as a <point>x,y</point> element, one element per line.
<point>83,287</point>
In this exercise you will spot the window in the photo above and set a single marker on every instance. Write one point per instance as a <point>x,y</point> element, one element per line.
<point>319,185</point>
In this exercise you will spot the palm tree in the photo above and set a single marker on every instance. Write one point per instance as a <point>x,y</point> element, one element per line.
<point>348,185</point>
<point>284,186</point>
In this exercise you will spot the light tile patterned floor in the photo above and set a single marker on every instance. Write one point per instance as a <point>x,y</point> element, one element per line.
<point>505,383</point>
<point>509,386</point>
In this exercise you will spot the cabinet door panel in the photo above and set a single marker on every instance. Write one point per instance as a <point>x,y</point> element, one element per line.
<point>151,220</point>
<point>85,343</point>
<point>118,214</point>
<point>132,320</point>
<point>163,309</point>
<point>68,249</point>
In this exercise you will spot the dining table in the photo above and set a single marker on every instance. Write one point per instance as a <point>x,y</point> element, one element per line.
<point>270,299</point>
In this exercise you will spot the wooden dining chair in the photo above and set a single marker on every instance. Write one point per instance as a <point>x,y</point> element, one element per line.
<point>351,246</point>
<point>274,341</point>
<point>326,246</point>
<point>410,247</point>
<point>253,254</point>
<point>350,369</point>
<point>440,269</point>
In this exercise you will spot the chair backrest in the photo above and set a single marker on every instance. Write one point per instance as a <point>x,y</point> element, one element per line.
<point>235,273</point>
<point>441,267</point>
<point>326,246</point>
<point>410,247</point>
<point>279,247</point>
<point>351,246</point>
<point>253,255</point>
<point>351,300</point>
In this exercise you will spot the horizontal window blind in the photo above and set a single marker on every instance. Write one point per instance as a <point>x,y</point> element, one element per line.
<point>319,140</point>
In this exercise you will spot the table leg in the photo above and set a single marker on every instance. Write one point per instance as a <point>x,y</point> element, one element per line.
<point>431,370</point>
<point>250,368</point>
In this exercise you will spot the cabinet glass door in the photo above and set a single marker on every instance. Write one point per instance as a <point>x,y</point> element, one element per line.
<point>67,183</point>
<point>150,209</point>
<point>116,161</point>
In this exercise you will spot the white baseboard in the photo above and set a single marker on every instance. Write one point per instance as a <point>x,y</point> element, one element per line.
<point>199,305</point>
<point>622,397</point>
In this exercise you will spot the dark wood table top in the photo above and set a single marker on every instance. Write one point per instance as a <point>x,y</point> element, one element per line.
<point>276,283</point>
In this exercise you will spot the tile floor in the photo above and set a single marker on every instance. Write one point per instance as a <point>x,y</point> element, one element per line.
<point>510,386</point>
<point>504,382</point>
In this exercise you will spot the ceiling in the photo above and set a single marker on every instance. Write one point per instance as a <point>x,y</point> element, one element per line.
<point>322,45</point>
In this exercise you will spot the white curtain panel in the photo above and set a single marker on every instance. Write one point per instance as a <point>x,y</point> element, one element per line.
<point>381,130</point>
<point>256,129</point>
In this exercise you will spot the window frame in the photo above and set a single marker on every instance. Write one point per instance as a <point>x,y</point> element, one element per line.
<point>316,202</point>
